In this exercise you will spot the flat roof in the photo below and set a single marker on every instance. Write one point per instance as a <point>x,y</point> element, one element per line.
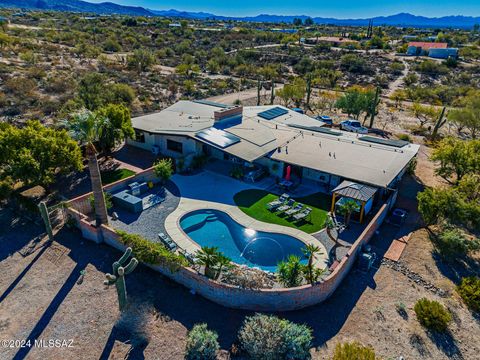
<point>347,156</point>
<point>291,137</point>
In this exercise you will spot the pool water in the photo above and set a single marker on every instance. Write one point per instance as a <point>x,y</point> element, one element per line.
<point>243,246</point>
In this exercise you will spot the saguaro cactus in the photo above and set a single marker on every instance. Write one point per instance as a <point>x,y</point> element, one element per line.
<point>272,93</point>
<point>118,276</point>
<point>259,88</point>
<point>374,106</point>
<point>442,120</point>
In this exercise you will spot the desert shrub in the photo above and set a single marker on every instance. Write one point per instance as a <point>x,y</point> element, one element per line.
<point>163,169</point>
<point>469,291</point>
<point>405,137</point>
<point>202,344</point>
<point>432,314</point>
<point>150,252</point>
<point>353,351</point>
<point>452,243</point>
<point>267,337</point>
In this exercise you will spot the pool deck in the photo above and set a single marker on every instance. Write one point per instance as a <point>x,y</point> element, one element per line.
<point>208,190</point>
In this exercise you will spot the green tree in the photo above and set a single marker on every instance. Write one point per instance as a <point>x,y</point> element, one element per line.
<point>91,90</point>
<point>294,92</point>
<point>163,169</point>
<point>354,102</point>
<point>456,158</point>
<point>117,129</point>
<point>469,115</point>
<point>289,272</point>
<point>34,154</point>
<point>141,60</point>
<point>424,113</point>
<point>86,128</point>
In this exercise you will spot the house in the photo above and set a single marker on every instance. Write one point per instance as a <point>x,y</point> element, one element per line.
<point>277,139</point>
<point>431,49</point>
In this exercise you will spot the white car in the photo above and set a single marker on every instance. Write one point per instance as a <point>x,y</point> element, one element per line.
<point>353,126</point>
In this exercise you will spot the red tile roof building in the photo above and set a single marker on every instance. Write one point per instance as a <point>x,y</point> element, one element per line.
<point>428,45</point>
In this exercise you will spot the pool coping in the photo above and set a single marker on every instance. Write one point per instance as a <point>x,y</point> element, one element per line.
<point>187,205</point>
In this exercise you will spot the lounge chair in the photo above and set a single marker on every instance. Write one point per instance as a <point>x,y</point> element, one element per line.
<point>302,215</point>
<point>169,243</point>
<point>272,205</point>
<point>286,206</point>
<point>297,208</point>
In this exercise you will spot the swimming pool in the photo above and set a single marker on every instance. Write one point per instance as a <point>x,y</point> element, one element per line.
<point>244,246</point>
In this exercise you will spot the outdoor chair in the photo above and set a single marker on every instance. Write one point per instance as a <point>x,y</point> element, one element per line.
<point>302,215</point>
<point>169,243</point>
<point>297,208</point>
<point>286,206</point>
<point>272,205</point>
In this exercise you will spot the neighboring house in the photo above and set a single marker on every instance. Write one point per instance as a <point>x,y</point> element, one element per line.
<point>431,49</point>
<point>275,138</point>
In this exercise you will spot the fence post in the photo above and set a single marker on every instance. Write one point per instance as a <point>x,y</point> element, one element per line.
<point>46,219</point>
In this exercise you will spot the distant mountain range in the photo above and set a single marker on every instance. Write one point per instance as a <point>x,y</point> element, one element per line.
<point>402,19</point>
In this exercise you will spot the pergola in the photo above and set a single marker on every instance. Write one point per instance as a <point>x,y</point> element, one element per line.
<point>362,194</point>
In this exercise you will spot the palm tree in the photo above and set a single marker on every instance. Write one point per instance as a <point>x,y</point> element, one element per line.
<point>290,271</point>
<point>329,226</point>
<point>347,208</point>
<point>209,257</point>
<point>86,127</point>
<point>310,251</point>
<point>224,262</point>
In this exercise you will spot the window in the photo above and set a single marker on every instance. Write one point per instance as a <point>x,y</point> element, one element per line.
<point>139,136</point>
<point>174,146</point>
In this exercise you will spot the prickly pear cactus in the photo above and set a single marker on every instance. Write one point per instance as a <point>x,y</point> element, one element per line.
<point>118,276</point>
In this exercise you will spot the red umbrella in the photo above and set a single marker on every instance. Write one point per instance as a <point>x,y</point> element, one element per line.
<point>288,173</point>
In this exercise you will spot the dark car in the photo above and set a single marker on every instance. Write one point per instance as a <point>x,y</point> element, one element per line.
<point>326,119</point>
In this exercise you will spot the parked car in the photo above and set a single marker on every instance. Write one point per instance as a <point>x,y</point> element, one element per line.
<point>353,126</point>
<point>326,119</point>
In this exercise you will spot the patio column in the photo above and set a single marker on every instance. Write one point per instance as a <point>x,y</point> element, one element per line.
<point>362,212</point>
<point>332,210</point>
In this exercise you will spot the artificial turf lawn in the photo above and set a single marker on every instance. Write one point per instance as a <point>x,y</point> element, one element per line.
<point>111,176</point>
<point>253,203</point>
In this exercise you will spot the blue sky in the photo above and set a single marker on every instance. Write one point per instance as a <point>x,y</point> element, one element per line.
<point>324,8</point>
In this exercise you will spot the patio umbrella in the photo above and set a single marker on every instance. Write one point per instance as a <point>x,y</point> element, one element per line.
<point>288,173</point>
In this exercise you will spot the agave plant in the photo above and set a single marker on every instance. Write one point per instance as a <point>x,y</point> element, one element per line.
<point>290,272</point>
<point>209,257</point>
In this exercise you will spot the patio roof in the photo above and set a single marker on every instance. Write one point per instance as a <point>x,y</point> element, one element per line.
<point>355,191</point>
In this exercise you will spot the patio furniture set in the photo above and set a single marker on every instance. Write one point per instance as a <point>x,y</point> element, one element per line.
<point>288,207</point>
<point>172,246</point>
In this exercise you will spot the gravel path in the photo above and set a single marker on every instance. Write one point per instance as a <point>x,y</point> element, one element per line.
<point>149,222</point>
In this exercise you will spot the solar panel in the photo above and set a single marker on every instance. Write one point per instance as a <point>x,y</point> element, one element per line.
<point>212,103</point>
<point>218,137</point>
<point>272,113</point>
<point>318,129</point>
<point>375,140</point>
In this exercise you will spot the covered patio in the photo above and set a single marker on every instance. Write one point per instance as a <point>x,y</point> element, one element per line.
<point>362,194</point>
